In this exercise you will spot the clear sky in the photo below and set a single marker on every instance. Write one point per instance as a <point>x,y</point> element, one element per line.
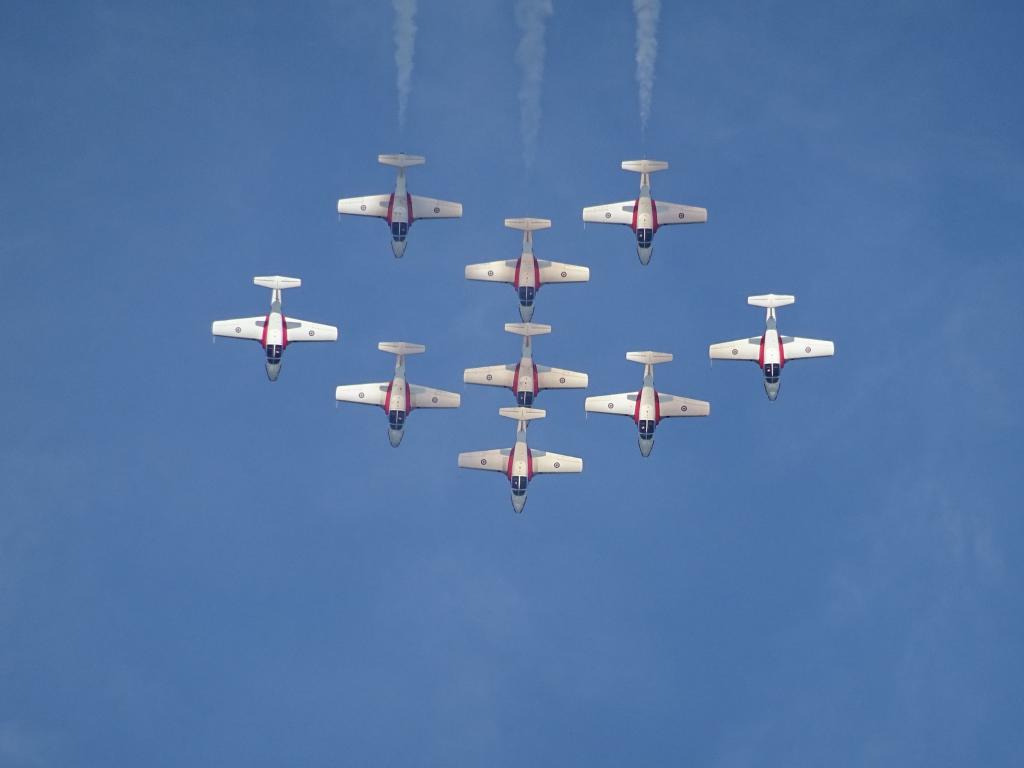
<point>199,567</point>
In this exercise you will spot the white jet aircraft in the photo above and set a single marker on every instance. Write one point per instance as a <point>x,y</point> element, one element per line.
<point>648,406</point>
<point>526,379</point>
<point>527,273</point>
<point>520,463</point>
<point>274,331</point>
<point>400,209</point>
<point>644,215</point>
<point>771,351</point>
<point>397,397</point>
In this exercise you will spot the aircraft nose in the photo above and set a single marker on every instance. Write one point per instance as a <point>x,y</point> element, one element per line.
<point>398,248</point>
<point>395,437</point>
<point>273,371</point>
<point>518,502</point>
<point>646,446</point>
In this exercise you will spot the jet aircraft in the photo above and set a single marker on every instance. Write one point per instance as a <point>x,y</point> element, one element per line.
<point>520,463</point>
<point>526,379</point>
<point>771,351</point>
<point>397,397</point>
<point>643,215</point>
<point>527,273</point>
<point>274,331</point>
<point>648,406</point>
<point>400,209</point>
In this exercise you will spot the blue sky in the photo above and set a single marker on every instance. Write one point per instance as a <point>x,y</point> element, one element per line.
<point>199,567</point>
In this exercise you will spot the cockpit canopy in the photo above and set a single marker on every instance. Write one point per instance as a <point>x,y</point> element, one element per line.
<point>399,231</point>
<point>647,428</point>
<point>644,237</point>
<point>396,419</point>
<point>526,294</point>
<point>771,372</point>
<point>525,397</point>
<point>274,353</point>
<point>519,485</point>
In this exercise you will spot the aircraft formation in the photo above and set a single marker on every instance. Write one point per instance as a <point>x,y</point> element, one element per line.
<point>525,378</point>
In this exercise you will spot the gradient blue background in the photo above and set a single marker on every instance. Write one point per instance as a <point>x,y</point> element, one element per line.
<point>198,567</point>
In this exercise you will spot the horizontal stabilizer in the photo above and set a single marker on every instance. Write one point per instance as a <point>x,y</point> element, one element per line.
<point>401,348</point>
<point>522,414</point>
<point>277,282</point>
<point>644,166</point>
<point>528,329</point>
<point>770,300</point>
<point>401,161</point>
<point>528,225</point>
<point>649,358</point>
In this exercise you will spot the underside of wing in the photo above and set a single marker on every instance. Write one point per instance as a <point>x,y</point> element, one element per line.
<point>546,463</point>
<point>490,375</point>
<point>741,349</point>
<point>557,378</point>
<point>673,213</point>
<point>494,271</point>
<point>428,208</point>
<point>371,205</point>
<point>495,461</point>
<point>425,397</point>
<point>364,394</point>
<point>613,213</point>
<point>796,348</point>
<point>556,272</point>
<point>304,330</point>
<point>670,406</point>
<point>618,405</point>
<point>240,328</point>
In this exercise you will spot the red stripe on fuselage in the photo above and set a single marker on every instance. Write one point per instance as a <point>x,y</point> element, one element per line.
<point>391,207</point>
<point>408,209</point>
<point>782,354</point>
<point>760,354</point>
<point>387,397</point>
<point>536,383</point>
<point>515,380</point>
<point>508,469</point>
<point>284,331</point>
<point>657,408</point>
<point>519,263</point>
<point>536,273</point>
<point>408,399</point>
<point>266,324</point>
<point>654,213</point>
<point>636,205</point>
<point>636,411</point>
<point>529,464</point>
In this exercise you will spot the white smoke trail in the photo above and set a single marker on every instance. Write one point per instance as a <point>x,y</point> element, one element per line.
<point>531,16</point>
<point>405,39</point>
<point>647,12</point>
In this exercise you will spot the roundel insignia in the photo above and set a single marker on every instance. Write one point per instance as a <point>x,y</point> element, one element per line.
<point>682,407</point>
<point>436,209</point>
<point>433,399</point>
<point>490,273</point>
<point>561,379</point>
<point>682,215</point>
<point>483,461</point>
<point>489,377</point>
<point>607,215</point>
<point>312,332</point>
<point>735,351</point>
<point>563,274</point>
<point>807,349</point>
<point>557,465</point>
<point>238,329</point>
<point>362,207</point>
<point>610,406</point>
<point>361,395</point>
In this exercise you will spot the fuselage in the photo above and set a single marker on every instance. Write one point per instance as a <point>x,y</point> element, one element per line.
<point>645,221</point>
<point>520,468</point>
<point>525,380</point>
<point>397,405</point>
<point>399,216</point>
<point>275,336</point>
<point>647,413</point>
<point>771,358</point>
<point>527,279</point>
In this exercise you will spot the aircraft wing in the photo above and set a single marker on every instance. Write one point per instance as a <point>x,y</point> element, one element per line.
<point>617,405</point>
<point>795,348</point>
<point>496,460</point>
<point>741,349</point>
<point>240,328</point>
<point>425,397</point>
<point>304,330</point>
<point>495,271</point>
<point>673,405</point>
<point>428,208</point>
<point>371,205</point>
<point>365,394</point>
<point>555,272</point>
<point>545,463</point>
<point>672,213</point>
<point>490,375</point>
<point>613,213</point>
<point>557,378</point>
